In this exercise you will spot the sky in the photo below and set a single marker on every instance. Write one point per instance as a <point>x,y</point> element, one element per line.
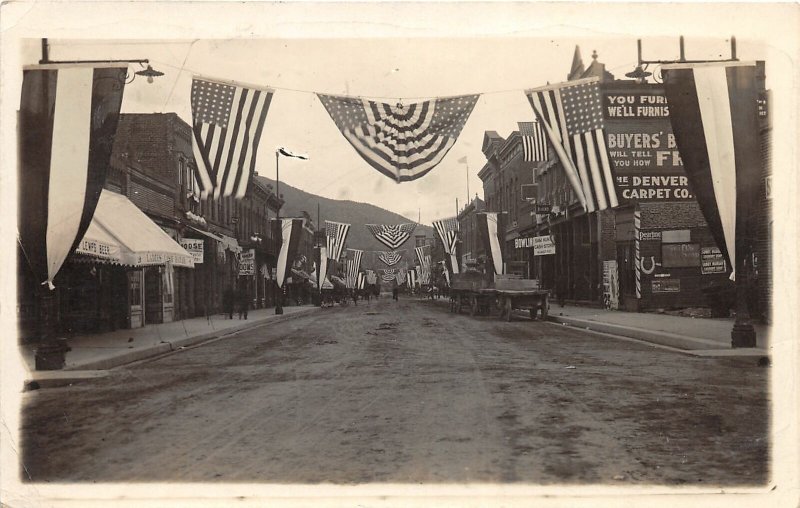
<point>387,69</point>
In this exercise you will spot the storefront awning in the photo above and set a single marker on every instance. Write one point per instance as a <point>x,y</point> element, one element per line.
<point>230,243</point>
<point>122,234</point>
<point>206,234</point>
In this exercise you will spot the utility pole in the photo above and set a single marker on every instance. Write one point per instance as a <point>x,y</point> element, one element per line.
<point>279,298</point>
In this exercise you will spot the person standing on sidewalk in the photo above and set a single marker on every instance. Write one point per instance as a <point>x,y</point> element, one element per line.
<point>227,302</point>
<point>243,300</point>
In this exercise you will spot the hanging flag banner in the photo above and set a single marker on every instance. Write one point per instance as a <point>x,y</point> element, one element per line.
<point>491,228</point>
<point>411,278</point>
<point>572,117</point>
<point>388,276</point>
<point>714,115</point>
<point>392,235</point>
<point>194,247</point>
<point>361,281</point>
<point>227,123</point>
<point>402,141</point>
<point>336,236</point>
<point>68,115</point>
<point>371,277</point>
<point>534,142</point>
<point>448,234</point>
<point>288,232</point>
<point>321,262</point>
<point>390,258</point>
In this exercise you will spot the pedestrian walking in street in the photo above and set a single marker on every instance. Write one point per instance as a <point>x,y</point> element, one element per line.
<point>394,293</point>
<point>243,301</point>
<point>227,302</point>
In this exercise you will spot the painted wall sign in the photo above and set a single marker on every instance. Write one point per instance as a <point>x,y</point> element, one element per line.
<point>665,285</point>
<point>610,285</point>
<point>712,261</point>
<point>645,159</point>
<point>650,235</point>
<point>543,246</point>
<point>194,247</point>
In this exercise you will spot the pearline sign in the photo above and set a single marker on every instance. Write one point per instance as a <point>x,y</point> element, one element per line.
<point>641,145</point>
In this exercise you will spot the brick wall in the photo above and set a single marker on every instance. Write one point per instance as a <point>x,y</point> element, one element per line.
<point>763,225</point>
<point>149,199</point>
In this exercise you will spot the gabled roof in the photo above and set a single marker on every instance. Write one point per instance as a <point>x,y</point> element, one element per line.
<point>490,140</point>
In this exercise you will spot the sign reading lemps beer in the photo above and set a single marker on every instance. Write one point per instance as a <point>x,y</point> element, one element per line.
<point>641,145</point>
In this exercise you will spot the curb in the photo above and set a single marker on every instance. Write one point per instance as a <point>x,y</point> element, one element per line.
<point>168,346</point>
<point>694,346</point>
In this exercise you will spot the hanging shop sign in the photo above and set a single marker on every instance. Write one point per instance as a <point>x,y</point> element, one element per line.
<point>247,262</point>
<point>641,146</point>
<point>650,236</point>
<point>543,246</point>
<point>194,247</point>
<point>543,209</point>
<point>712,261</point>
<point>523,243</point>
<point>665,285</point>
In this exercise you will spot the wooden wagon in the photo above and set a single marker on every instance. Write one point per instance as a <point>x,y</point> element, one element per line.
<point>515,293</point>
<point>473,291</point>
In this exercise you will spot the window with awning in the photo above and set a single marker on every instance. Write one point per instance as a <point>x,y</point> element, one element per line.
<point>122,234</point>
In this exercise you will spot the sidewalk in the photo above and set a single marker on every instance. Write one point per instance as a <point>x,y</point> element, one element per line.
<point>697,336</point>
<point>107,350</point>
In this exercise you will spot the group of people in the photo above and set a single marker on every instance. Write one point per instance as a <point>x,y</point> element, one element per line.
<point>238,300</point>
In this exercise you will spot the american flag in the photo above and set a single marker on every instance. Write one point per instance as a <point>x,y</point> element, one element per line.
<point>228,121</point>
<point>571,115</point>
<point>411,278</point>
<point>403,141</point>
<point>353,266</point>
<point>336,235</point>
<point>394,235</point>
<point>390,258</point>
<point>534,143</point>
<point>448,233</point>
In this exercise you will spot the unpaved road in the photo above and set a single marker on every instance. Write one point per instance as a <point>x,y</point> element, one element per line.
<point>405,392</point>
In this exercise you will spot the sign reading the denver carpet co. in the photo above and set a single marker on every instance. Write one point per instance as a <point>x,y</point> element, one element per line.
<point>194,247</point>
<point>641,145</point>
<point>711,261</point>
<point>543,245</point>
<point>247,262</point>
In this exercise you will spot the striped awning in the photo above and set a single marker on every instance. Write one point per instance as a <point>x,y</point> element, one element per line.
<point>122,234</point>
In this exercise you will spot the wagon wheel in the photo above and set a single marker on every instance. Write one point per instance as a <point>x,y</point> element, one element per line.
<point>507,308</point>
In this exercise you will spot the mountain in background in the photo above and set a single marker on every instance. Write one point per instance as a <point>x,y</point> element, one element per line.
<point>350,212</point>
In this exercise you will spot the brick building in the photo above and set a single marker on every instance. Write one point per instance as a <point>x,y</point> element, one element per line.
<point>471,247</point>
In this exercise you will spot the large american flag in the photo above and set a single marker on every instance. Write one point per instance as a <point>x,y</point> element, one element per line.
<point>390,258</point>
<point>336,235</point>
<point>534,143</point>
<point>392,235</point>
<point>403,141</point>
<point>228,121</point>
<point>571,115</point>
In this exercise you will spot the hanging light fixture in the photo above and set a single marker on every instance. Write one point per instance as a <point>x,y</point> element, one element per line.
<point>149,73</point>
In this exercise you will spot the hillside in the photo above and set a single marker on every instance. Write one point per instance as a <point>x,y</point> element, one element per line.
<point>351,212</point>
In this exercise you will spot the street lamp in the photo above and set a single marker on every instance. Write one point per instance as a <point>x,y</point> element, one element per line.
<point>281,151</point>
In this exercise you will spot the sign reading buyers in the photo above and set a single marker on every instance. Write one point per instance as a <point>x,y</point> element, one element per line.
<point>641,145</point>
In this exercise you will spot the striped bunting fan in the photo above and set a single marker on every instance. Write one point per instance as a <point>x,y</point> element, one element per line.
<point>388,274</point>
<point>390,258</point>
<point>403,141</point>
<point>392,235</point>
<point>336,236</point>
<point>228,120</point>
<point>572,117</point>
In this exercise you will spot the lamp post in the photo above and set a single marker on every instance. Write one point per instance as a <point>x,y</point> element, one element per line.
<point>279,297</point>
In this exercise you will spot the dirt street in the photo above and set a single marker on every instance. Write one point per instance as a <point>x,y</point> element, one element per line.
<point>406,392</point>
